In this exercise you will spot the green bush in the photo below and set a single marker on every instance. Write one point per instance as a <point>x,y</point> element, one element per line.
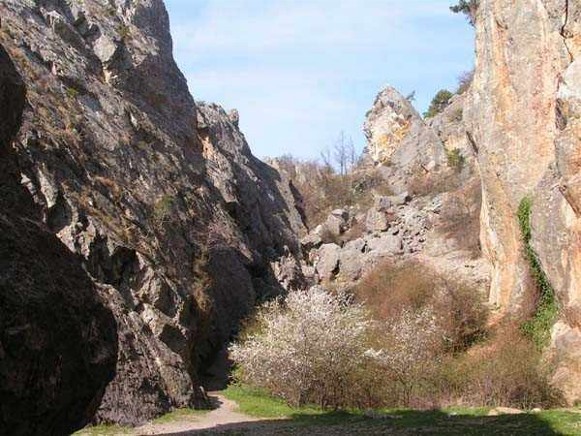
<point>440,101</point>
<point>468,8</point>
<point>455,159</point>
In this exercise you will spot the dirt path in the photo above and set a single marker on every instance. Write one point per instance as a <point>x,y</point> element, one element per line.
<point>225,414</point>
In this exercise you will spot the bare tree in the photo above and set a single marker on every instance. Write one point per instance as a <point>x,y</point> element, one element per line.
<point>344,153</point>
<point>327,158</point>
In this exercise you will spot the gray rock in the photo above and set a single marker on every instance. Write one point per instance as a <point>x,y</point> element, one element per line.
<point>385,245</point>
<point>311,241</point>
<point>334,226</point>
<point>180,226</point>
<point>105,49</point>
<point>341,213</point>
<point>58,342</point>
<point>234,117</point>
<point>356,245</point>
<point>376,221</point>
<point>352,260</point>
<point>382,204</point>
<point>327,261</point>
<point>400,199</point>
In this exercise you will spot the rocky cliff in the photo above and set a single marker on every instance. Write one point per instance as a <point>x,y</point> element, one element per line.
<point>181,229</point>
<point>431,217</point>
<point>523,117</point>
<point>58,343</point>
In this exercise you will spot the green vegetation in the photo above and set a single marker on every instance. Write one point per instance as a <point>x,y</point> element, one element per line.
<point>447,421</point>
<point>104,430</point>
<point>124,31</point>
<point>468,8</point>
<point>72,93</point>
<point>538,329</point>
<point>180,415</point>
<point>455,159</point>
<point>162,209</point>
<point>258,403</point>
<point>440,101</point>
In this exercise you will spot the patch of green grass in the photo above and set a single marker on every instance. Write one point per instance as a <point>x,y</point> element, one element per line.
<point>258,403</point>
<point>104,430</point>
<point>448,421</point>
<point>562,421</point>
<point>538,329</point>
<point>179,415</point>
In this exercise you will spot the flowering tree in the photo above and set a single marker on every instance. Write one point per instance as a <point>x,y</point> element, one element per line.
<point>309,348</point>
<point>410,346</point>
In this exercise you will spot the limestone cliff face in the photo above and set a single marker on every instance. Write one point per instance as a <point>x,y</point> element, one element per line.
<point>180,227</point>
<point>523,114</point>
<point>400,141</point>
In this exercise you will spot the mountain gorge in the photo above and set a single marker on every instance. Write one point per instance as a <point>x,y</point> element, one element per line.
<point>179,227</point>
<point>138,230</point>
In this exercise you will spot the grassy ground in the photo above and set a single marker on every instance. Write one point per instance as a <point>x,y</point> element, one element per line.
<point>105,430</point>
<point>114,430</point>
<point>180,414</point>
<point>452,421</point>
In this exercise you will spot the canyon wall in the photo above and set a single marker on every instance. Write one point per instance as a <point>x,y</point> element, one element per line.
<point>58,342</point>
<point>523,122</point>
<point>181,229</point>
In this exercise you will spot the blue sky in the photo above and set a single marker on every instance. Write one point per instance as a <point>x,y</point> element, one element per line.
<point>301,71</point>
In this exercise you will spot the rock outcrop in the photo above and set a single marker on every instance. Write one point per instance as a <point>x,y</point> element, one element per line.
<point>401,142</point>
<point>433,219</point>
<point>180,227</point>
<point>523,117</point>
<point>58,344</point>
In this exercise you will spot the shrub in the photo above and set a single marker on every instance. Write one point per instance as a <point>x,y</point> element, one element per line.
<point>506,371</point>
<point>440,101</point>
<point>465,81</point>
<point>392,289</point>
<point>455,159</point>
<point>163,210</point>
<point>309,348</point>
<point>322,189</point>
<point>468,8</point>
<point>538,329</point>
<point>410,345</point>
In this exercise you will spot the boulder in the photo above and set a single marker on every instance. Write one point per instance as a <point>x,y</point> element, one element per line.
<point>385,245</point>
<point>335,225</point>
<point>376,221</point>
<point>352,260</point>
<point>382,203</point>
<point>327,261</point>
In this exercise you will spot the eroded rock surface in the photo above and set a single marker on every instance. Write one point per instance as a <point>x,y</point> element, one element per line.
<point>58,344</point>
<point>523,114</point>
<point>433,214</point>
<point>180,227</point>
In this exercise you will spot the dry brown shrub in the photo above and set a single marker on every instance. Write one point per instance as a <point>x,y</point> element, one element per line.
<point>508,370</point>
<point>394,287</point>
<point>391,286</point>
<point>323,189</point>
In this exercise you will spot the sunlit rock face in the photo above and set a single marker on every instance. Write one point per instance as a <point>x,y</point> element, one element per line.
<point>523,117</point>
<point>399,140</point>
<point>181,229</point>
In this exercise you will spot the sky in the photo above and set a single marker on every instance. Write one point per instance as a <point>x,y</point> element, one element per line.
<point>302,71</point>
